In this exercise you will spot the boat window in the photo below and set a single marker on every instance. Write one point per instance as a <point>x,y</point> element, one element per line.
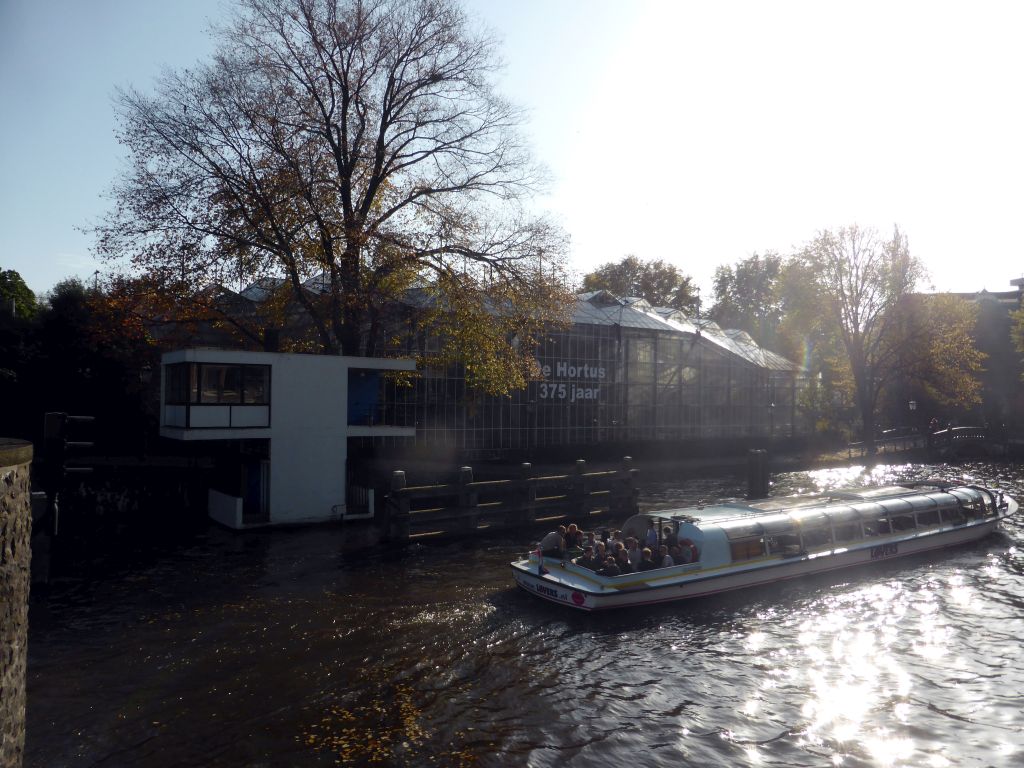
<point>876,524</point>
<point>842,514</point>
<point>926,510</point>
<point>778,524</point>
<point>903,522</point>
<point>873,520</point>
<point>746,549</point>
<point>818,537</point>
<point>954,515</point>
<point>783,543</point>
<point>845,523</point>
<point>896,506</point>
<point>740,529</point>
<point>843,532</point>
<point>986,504</point>
<point>810,518</point>
<point>971,502</point>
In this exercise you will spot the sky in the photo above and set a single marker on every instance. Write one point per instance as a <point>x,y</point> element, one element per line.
<point>699,133</point>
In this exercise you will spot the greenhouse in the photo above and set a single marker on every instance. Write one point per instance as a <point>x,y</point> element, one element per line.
<point>623,372</point>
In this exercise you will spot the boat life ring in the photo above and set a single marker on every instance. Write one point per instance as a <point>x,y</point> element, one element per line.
<point>690,548</point>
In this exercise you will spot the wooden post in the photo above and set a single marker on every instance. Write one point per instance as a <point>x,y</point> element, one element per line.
<point>396,516</point>
<point>528,495</point>
<point>630,494</point>
<point>469,514</point>
<point>757,474</point>
<point>580,497</point>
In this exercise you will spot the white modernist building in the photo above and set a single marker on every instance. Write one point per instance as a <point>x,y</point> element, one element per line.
<point>291,415</point>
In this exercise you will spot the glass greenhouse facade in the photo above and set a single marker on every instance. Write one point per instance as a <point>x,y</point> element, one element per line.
<point>623,372</point>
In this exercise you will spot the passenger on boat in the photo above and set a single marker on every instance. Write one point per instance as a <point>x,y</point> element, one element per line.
<point>610,568</point>
<point>646,563</point>
<point>573,537</point>
<point>669,537</point>
<point>590,540</point>
<point>553,544</point>
<point>633,551</point>
<point>666,558</point>
<point>587,559</point>
<point>622,560</point>
<point>601,553</point>
<point>651,539</point>
<point>614,541</point>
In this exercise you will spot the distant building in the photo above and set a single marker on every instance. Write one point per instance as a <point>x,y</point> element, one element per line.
<point>622,373</point>
<point>1002,387</point>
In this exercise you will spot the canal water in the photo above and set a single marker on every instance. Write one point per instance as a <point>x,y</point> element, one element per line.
<point>285,649</point>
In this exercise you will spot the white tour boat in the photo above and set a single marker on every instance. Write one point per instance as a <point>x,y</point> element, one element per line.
<point>744,545</point>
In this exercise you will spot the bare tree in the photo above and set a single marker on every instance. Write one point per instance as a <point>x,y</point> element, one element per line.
<point>361,141</point>
<point>861,281</point>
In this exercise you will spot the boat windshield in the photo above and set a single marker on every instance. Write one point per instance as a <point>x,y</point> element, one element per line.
<point>972,501</point>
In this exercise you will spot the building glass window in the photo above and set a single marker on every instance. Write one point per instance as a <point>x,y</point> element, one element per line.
<point>212,384</point>
<point>256,384</point>
<point>176,380</point>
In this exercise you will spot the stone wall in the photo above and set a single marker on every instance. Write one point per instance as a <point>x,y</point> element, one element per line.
<point>15,557</point>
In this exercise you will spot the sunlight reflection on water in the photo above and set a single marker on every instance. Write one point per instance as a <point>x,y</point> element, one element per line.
<point>281,652</point>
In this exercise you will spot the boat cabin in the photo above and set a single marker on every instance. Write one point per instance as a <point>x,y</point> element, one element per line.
<point>732,534</point>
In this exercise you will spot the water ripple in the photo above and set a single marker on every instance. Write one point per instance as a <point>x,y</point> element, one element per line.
<point>283,649</point>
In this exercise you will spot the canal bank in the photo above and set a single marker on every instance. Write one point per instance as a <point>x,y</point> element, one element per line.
<point>164,497</point>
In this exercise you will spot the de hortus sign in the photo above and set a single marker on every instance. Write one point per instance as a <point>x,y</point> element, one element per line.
<point>571,382</point>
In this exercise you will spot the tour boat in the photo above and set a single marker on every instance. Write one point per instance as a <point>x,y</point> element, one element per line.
<point>739,545</point>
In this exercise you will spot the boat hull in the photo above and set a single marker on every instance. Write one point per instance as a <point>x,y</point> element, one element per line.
<point>570,585</point>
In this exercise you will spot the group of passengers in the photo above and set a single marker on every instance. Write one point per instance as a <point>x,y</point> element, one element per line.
<point>609,554</point>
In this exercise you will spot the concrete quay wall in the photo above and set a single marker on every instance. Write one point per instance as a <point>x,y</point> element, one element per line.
<point>15,560</point>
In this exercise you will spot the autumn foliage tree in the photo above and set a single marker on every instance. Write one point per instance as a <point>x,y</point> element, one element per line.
<point>361,142</point>
<point>659,283</point>
<point>940,350</point>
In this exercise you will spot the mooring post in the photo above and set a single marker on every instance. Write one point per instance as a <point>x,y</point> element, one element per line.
<point>757,473</point>
<point>528,495</point>
<point>469,513</point>
<point>630,492</point>
<point>580,498</point>
<point>396,515</point>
